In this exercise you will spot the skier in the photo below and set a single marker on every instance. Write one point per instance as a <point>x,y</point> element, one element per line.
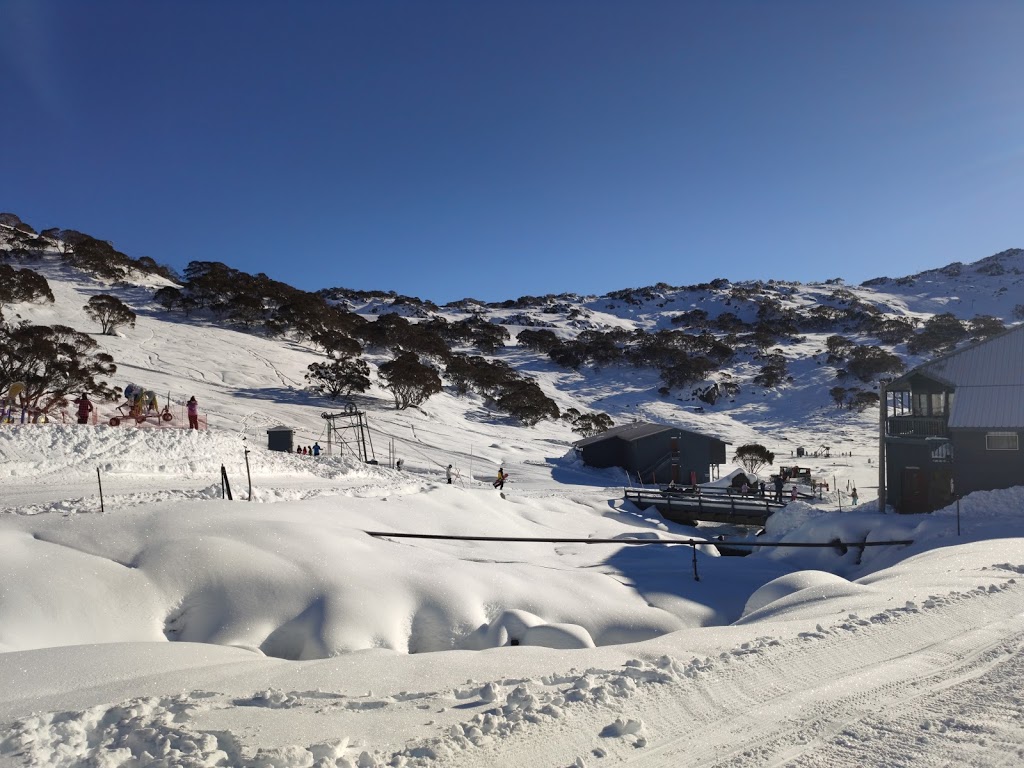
<point>398,465</point>
<point>853,497</point>
<point>448,474</point>
<point>193,413</point>
<point>84,408</point>
<point>499,482</point>
<point>316,449</point>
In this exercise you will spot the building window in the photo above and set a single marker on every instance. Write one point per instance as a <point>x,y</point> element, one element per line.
<point>920,404</point>
<point>1001,441</point>
<point>942,453</point>
<point>929,403</point>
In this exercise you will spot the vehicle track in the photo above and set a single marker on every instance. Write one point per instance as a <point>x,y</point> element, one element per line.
<point>895,673</point>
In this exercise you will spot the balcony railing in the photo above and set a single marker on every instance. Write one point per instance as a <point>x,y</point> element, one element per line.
<point>916,426</point>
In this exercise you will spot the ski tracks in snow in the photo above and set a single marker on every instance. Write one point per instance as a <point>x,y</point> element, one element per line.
<point>874,691</point>
<point>949,670</point>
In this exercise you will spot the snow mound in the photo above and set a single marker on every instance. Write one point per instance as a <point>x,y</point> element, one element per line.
<point>794,588</point>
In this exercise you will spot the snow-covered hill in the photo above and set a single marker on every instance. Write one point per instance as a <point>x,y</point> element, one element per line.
<point>178,628</point>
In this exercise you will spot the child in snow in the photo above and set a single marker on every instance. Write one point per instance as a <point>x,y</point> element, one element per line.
<point>84,408</point>
<point>193,413</point>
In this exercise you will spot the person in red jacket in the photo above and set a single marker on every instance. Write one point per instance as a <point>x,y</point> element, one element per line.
<point>84,408</point>
<point>193,413</point>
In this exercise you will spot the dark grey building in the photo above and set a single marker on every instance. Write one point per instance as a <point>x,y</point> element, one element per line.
<point>954,425</point>
<point>656,453</point>
<point>280,439</point>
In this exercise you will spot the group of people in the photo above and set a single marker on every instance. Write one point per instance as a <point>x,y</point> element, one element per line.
<point>85,407</point>
<point>308,450</point>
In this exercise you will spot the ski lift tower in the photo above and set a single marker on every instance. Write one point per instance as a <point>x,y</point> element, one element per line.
<point>356,420</point>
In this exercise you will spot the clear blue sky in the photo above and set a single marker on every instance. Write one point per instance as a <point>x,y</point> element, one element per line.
<point>497,149</point>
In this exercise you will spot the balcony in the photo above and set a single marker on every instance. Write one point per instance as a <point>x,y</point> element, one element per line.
<point>916,426</point>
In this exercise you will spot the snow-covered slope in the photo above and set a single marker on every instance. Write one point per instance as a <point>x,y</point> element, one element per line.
<point>178,628</point>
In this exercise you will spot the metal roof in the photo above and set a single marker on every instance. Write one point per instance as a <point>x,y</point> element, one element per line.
<point>998,406</point>
<point>998,360</point>
<point>636,430</point>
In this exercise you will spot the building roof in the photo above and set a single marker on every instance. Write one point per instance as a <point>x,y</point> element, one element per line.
<point>999,406</point>
<point>280,429</point>
<point>636,430</point>
<point>988,379</point>
<point>998,360</point>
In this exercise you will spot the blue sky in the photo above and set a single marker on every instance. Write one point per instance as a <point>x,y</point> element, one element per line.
<point>499,149</point>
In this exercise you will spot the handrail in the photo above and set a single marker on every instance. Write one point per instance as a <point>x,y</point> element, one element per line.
<point>712,503</point>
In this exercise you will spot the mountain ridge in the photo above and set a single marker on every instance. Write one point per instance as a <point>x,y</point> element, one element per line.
<point>782,353</point>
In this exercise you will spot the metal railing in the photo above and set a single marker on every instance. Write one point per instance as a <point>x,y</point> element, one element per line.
<point>717,502</point>
<point>916,426</point>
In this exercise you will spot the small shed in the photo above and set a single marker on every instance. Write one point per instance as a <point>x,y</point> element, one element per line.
<point>657,453</point>
<point>281,439</point>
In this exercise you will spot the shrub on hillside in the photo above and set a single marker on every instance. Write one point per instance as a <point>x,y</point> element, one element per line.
<point>587,424</point>
<point>686,371</point>
<point>22,285</point>
<point>869,362</point>
<point>938,334</point>
<point>893,330</point>
<point>773,372</point>
<point>477,374</point>
<point>838,348</point>
<point>542,341</point>
<point>525,401</point>
<point>984,326</point>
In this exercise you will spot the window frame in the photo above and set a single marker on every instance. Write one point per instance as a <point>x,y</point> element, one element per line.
<point>989,440</point>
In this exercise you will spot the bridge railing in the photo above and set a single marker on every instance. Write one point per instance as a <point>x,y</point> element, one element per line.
<point>717,502</point>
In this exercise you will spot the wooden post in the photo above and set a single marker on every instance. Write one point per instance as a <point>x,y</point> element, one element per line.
<point>100,481</point>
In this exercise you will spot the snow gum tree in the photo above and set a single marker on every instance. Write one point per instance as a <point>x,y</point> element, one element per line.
<point>110,312</point>
<point>17,285</point>
<point>753,456</point>
<point>409,381</point>
<point>53,362</point>
<point>340,376</point>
